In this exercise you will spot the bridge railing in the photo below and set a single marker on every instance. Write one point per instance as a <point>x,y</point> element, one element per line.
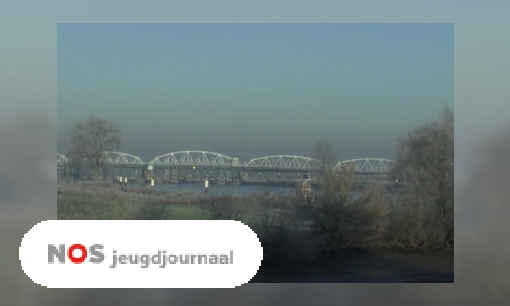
<point>195,158</point>
<point>289,162</point>
<point>367,165</point>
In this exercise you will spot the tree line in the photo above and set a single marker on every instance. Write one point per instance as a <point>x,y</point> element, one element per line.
<point>419,216</point>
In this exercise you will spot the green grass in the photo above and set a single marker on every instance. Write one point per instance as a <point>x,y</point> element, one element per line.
<point>100,207</point>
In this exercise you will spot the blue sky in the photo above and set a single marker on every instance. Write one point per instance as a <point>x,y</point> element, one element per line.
<point>250,90</point>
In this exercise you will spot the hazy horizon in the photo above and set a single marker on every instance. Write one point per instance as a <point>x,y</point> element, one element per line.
<point>252,90</point>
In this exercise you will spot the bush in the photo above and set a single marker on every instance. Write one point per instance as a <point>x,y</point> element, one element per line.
<point>365,219</point>
<point>425,159</point>
<point>275,220</point>
<point>341,222</point>
<point>222,207</point>
<point>413,225</point>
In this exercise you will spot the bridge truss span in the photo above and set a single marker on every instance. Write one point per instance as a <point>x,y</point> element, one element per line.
<point>368,165</point>
<point>119,158</point>
<point>61,160</point>
<point>194,158</point>
<point>283,162</point>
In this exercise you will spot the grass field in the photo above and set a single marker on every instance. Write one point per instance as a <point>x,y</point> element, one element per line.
<point>75,207</point>
<point>105,201</point>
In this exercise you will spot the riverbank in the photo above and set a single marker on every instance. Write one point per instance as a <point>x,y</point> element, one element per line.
<point>108,201</point>
<point>290,251</point>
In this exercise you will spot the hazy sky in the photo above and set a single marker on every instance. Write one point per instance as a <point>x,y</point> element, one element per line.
<point>251,90</point>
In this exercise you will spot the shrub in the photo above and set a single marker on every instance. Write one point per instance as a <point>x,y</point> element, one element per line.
<point>340,221</point>
<point>222,207</point>
<point>275,220</point>
<point>413,225</point>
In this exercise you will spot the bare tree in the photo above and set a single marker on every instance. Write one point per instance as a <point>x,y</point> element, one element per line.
<point>325,152</point>
<point>89,139</point>
<point>425,164</point>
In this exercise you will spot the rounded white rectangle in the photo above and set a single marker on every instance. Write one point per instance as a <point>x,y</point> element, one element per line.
<point>141,253</point>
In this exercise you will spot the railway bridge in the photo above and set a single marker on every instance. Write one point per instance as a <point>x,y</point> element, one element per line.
<point>192,166</point>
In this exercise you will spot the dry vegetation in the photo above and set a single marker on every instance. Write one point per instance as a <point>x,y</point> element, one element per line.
<point>295,229</point>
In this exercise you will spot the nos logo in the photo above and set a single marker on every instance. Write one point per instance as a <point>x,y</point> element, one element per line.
<point>73,253</point>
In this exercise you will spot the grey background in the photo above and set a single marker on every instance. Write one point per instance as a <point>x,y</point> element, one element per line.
<point>28,144</point>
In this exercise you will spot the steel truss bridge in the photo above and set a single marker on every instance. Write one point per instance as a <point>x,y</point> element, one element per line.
<point>193,165</point>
